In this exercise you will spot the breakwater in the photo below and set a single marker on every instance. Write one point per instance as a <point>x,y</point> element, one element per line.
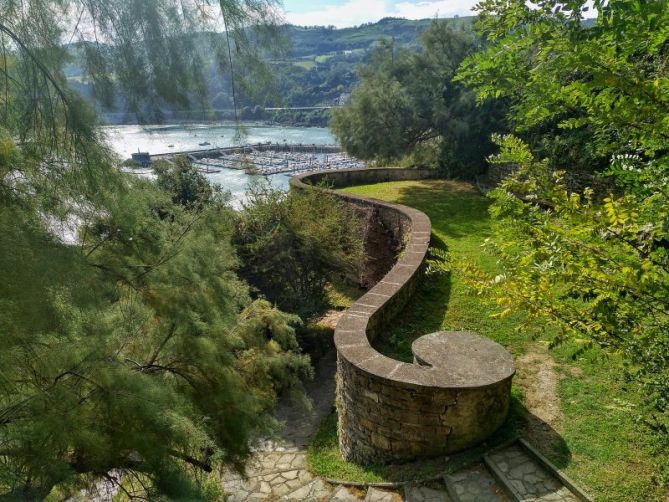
<point>246,149</point>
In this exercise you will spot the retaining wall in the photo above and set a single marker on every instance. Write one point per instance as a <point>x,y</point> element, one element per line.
<point>457,391</point>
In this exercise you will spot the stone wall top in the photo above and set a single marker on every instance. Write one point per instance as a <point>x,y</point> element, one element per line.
<point>442,360</point>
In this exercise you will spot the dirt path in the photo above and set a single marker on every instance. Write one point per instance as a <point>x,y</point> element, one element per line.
<point>539,380</point>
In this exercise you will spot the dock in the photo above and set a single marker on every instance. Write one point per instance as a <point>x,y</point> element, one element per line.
<point>268,158</point>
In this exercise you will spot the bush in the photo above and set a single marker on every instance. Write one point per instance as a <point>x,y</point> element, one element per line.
<point>184,182</point>
<point>292,244</point>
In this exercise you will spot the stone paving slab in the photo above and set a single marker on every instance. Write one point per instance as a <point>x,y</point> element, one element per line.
<point>343,494</point>
<point>476,484</point>
<point>379,495</point>
<point>425,494</point>
<point>529,479</point>
<point>317,490</point>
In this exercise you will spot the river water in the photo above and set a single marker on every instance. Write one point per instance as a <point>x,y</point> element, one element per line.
<point>126,139</point>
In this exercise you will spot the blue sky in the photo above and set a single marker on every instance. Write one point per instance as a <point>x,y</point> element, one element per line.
<point>353,12</point>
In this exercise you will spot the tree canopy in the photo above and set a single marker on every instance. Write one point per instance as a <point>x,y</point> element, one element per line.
<point>580,92</point>
<point>407,103</point>
<point>292,244</point>
<point>590,258</point>
<point>129,341</point>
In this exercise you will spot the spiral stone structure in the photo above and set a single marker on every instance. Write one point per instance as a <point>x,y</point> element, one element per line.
<point>455,393</point>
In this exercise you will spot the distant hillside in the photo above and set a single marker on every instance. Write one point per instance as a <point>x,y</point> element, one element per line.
<point>319,70</point>
<point>311,41</point>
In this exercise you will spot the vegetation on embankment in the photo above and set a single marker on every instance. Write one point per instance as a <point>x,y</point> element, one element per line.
<point>591,437</point>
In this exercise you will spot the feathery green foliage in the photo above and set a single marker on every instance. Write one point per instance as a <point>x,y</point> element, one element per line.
<point>138,348</point>
<point>130,345</point>
<point>584,96</point>
<point>408,104</point>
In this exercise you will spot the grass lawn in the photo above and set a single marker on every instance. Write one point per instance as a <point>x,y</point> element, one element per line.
<point>323,58</point>
<point>593,438</point>
<point>307,64</point>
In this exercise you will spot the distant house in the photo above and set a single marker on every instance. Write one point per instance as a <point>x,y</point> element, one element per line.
<point>342,99</point>
<point>143,158</point>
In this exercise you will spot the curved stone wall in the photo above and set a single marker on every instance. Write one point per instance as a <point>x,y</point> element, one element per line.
<point>457,391</point>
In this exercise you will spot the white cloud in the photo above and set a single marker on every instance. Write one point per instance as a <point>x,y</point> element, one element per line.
<point>440,8</point>
<point>355,12</point>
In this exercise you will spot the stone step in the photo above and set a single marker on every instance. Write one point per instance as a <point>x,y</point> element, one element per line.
<point>419,493</point>
<point>528,477</point>
<point>380,495</point>
<point>475,484</point>
<point>343,494</point>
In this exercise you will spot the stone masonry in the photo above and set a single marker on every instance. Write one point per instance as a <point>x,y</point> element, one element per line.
<point>457,391</point>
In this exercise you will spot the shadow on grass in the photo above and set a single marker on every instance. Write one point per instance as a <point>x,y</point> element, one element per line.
<point>455,209</point>
<point>325,460</point>
<point>422,315</point>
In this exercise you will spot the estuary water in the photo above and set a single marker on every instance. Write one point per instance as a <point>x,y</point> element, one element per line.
<point>155,139</point>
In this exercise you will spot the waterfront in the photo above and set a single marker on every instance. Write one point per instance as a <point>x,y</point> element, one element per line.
<point>155,139</point>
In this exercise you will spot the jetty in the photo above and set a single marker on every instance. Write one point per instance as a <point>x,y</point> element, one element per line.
<point>268,158</point>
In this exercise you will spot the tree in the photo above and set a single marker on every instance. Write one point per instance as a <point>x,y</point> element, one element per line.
<point>579,91</point>
<point>408,104</point>
<point>593,263</point>
<point>138,350</point>
<point>129,342</point>
<point>596,268</point>
<point>189,187</point>
<point>291,245</point>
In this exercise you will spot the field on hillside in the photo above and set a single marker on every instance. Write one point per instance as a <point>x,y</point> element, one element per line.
<point>577,411</point>
<point>318,66</point>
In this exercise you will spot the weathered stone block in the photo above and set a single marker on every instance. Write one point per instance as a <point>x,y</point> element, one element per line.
<point>380,441</point>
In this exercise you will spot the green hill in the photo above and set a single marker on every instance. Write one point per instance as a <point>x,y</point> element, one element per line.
<point>319,69</point>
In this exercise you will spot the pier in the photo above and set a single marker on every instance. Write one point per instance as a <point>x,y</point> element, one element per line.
<point>268,158</point>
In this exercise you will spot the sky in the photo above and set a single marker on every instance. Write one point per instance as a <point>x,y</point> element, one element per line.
<point>341,13</point>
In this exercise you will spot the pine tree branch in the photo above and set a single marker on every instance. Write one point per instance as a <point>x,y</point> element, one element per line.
<point>45,71</point>
<point>205,466</point>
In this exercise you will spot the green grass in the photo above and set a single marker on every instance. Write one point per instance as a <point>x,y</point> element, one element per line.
<point>307,65</point>
<point>598,444</point>
<point>341,294</point>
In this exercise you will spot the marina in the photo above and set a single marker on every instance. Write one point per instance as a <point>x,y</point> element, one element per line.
<point>270,162</point>
<point>263,158</point>
<point>271,154</point>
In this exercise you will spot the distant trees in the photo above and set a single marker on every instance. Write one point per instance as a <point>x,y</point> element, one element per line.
<point>187,186</point>
<point>407,104</point>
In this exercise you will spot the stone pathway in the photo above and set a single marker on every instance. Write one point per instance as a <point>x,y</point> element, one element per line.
<point>425,494</point>
<point>475,484</point>
<point>528,479</point>
<point>277,470</point>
